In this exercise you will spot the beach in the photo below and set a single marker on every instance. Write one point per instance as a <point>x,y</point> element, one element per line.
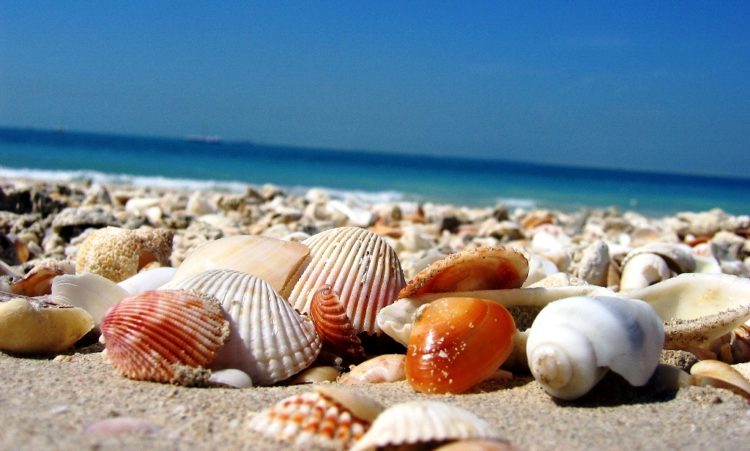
<point>52,401</point>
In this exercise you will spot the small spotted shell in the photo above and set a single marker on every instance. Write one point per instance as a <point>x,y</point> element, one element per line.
<point>329,416</point>
<point>421,422</point>
<point>359,265</point>
<point>165,336</point>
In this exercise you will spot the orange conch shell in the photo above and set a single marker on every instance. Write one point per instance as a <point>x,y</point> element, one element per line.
<point>359,265</point>
<point>329,317</point>
<point>486,268</point>
<point>165,336</point>
<point>457,343</point>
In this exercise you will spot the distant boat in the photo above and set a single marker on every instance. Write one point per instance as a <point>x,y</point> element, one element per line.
<point>205,139</point>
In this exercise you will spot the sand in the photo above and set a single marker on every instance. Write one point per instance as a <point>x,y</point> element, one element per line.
<point>49,403</point>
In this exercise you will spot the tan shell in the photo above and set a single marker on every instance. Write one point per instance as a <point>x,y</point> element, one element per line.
<point>327,418</point>
<point>360,266</point>
<point>485,268</point>
<point>417,422</point>
<point>277,262</point>
<point>679,257</point>
<point>117,253</point>
<point>38,281</point>
<point>718,374</point>
<point>269,340</point>
<point>165,336</point>
<point>383,368</point>
<point>32,326</point>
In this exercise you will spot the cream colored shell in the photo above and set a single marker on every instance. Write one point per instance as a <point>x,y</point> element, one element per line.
<point>269,340</point>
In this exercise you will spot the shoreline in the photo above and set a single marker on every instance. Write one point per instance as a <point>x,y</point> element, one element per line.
<point>50,402</point>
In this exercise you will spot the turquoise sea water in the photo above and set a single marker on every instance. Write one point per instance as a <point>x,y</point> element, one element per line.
<point>231,165</point>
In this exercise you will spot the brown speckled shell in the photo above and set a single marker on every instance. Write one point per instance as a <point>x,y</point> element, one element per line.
<point>360,266</point>
<point>164,336</point>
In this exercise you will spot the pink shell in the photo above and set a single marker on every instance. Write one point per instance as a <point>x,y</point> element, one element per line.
<point>310,418</point>
<point>164,336</point>
<point>329,317</point>
<point>360,266</point>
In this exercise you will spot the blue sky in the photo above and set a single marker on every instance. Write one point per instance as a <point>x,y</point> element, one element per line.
<point>644,85</point>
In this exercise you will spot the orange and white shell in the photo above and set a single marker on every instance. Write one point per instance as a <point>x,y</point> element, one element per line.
<point>329,416</point>
<point>485,268</point>
<point>328,315</point>
<point>361,268</point>
<point>165,336</point>
<point>421,422</point>
<point>269,340</point>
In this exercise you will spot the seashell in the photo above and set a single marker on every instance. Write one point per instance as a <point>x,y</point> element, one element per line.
<point>423,422</point>
<point>383,368</point>
<point>477,269</point>
<point>89,291</point>
<point>38,281</point>
<point>277,262</point>
<point>121,425</point>
<point>315,375</point>
<point>269,340</point>
<point>329,416</point>
<point>573,342</point>
<point>147,280</point>
<point>679,257</point>
<point>697,308</point>
<point>643,270</point>
<point>539,269</point>
<point>397,319</point>
<point>360,266</point>
<point>165,336</point>
<point>329,317</point>
<point>230,377</point>
<point>594,264</point>
<point>714,373</point>
<point>457,343</point>
<point>35,326</point>
<point>117,253</point>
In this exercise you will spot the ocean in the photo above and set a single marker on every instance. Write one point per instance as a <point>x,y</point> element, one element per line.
<point>207,163</point>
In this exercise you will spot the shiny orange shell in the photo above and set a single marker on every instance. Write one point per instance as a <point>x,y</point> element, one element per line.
<point>486,268</point>
<point>164,336</point>
<point>329,317</point>
<point>456,343</point>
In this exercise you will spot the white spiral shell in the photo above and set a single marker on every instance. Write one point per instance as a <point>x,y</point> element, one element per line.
<point>573,342</point>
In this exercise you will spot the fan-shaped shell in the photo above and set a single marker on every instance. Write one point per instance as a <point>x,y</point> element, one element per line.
<point>327,417</point>
<point>165,336</point>
<point>417,422</point>
<point>360,266</point>
<point>485,268</point>
<point>269,340</point>
<point>329,317</point>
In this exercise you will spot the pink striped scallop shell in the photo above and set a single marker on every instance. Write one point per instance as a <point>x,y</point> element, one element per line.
<point>360,267</point>
<point>165,336</point>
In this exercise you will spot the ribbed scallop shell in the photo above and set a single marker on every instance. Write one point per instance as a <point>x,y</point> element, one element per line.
<point>329,317</point>
<point>315,418</point>
<point>360,266</point>
<point>164,336</point>
<point>269,340</point>
<point>422,422</point>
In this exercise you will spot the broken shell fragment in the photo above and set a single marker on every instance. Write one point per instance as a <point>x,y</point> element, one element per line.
<point>38,281</point>
<point>573,342</point>
<point>714,373</point>
<point>329,317</point>
<point>383,368</point>
<point>360,267</point>
<point>315,375</point>
<point>269,340</point>
<point>423,422</point>
<point>117,253</point>
<point>326,417</point>
<point>643,270</point>
<point>230,377</point>
<point>457,343</point>
<point>484,268</point>
<point>277,262</point>
<point>33,326</point>
<point>165,336</point>
<point>89,291</point>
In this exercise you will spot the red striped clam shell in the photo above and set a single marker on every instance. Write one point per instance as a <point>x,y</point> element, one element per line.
<point>164,336</point>
<point>360,266</point>
<point>332,324</point>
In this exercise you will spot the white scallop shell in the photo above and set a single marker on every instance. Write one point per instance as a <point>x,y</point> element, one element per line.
<point>416,422</point>
<point>573,342</point>
<point>269,340</point>
<point>360,267</point>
